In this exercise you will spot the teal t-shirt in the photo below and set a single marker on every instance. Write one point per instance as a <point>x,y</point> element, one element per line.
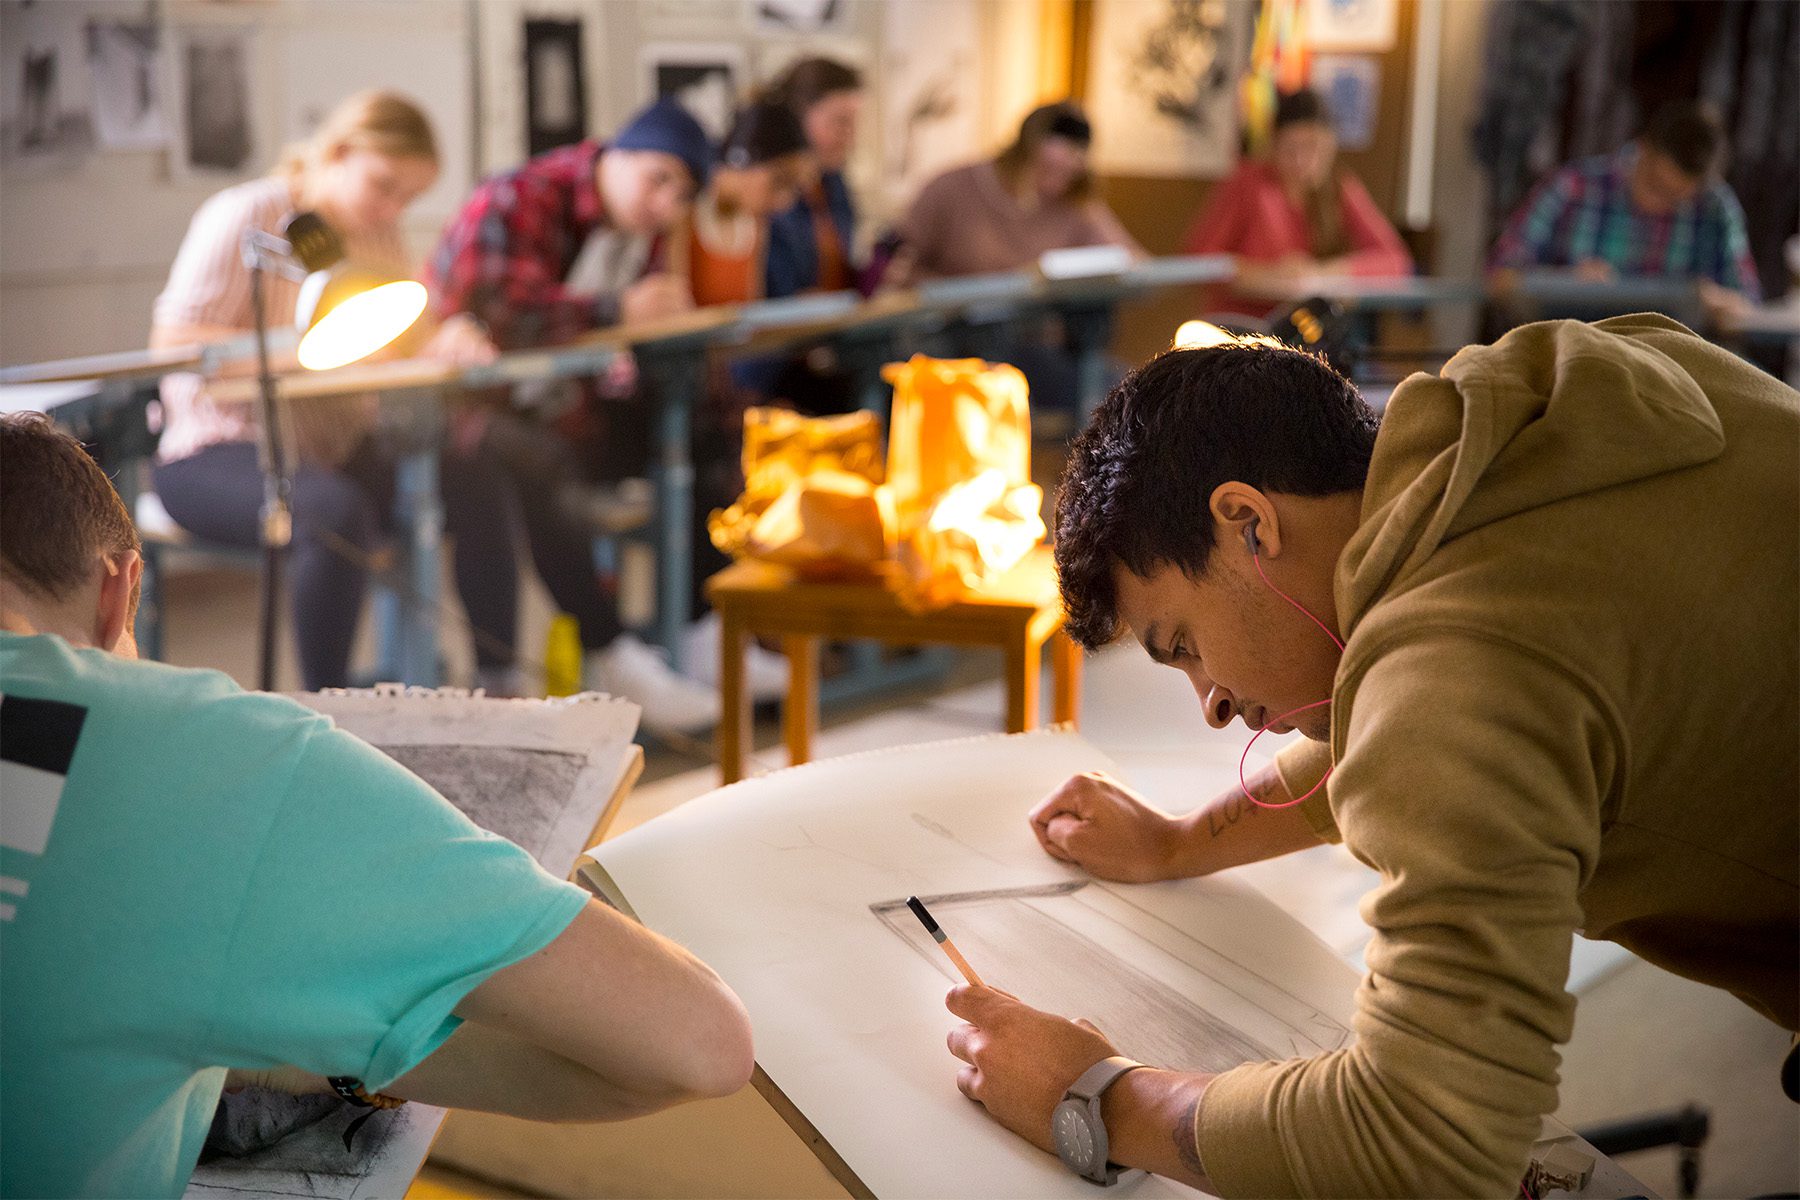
<point>195,877</point>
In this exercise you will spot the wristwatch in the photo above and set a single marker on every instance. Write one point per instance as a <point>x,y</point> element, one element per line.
<point>1076,1127</point>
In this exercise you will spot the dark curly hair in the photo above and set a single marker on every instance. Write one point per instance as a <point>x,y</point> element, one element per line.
<point>1139,480</point>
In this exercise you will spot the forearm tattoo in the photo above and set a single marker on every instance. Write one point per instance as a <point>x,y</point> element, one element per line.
<point>1187,1137</point>
<point>1221,817</point>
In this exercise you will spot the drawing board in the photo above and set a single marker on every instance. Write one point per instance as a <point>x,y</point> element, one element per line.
<point>787,885</point>
<point>536,772</point>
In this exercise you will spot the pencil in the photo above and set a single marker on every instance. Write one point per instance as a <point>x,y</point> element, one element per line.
<point>938,936</point>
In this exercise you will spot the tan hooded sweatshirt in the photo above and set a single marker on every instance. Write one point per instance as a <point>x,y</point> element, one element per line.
<point>1569,701</point>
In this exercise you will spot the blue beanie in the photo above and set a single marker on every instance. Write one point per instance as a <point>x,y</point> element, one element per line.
<point>667,127</point>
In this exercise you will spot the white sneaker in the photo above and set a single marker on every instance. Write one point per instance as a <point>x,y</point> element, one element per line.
<point>634,671</point>
<point>765,672</point>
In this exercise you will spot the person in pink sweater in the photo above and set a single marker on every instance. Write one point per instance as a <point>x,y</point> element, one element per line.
<point>1296,214</point>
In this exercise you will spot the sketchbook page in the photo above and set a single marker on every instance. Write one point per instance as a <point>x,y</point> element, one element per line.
<point>792,886</point>
<point>536,772</point>
<point>313,1164</point>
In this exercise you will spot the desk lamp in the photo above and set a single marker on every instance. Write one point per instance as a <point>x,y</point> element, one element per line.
<point>344,313</point>
<point>1314,324</point>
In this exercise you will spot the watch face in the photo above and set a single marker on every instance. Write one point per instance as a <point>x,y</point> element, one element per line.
<point>1073,1135</point>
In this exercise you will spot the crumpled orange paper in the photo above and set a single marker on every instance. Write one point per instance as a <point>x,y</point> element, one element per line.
<point>811,497</point>
<point>957,506</point>
<point>959,470</point>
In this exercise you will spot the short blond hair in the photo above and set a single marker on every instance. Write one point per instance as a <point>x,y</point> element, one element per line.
<point>385,122</point>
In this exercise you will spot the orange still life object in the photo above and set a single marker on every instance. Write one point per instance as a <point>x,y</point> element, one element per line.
<point>954,507</point>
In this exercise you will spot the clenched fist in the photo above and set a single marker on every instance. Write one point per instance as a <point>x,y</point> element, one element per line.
<point>1108,830</point>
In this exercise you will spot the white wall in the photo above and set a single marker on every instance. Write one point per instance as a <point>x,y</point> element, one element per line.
<point>84,251</point>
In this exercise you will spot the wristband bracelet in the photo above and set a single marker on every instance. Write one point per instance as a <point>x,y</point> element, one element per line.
<point>351,1090</point>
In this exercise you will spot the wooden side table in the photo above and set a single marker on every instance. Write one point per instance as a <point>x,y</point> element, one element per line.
<point>1018,613</point>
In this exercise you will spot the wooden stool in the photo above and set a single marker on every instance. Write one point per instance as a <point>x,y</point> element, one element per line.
<point>1018,612</point>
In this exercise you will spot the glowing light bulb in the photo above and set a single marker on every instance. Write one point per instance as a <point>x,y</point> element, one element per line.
<point>362,324</point>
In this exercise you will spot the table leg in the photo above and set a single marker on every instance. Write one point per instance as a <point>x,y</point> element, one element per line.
<point>680,379</point>
<point>1024,658</point>
<point>1090,331</point>
<point>1065,679</point>
<point>800,715</point>
<point>734,699</point>
<point>421,519</point>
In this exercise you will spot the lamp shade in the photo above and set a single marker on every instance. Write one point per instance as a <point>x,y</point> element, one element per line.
<point>346,313</point>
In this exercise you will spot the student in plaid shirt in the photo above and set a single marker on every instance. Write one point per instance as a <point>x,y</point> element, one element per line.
<point>1656,208</point>
<point>506,258</point>
<point>570,241</point>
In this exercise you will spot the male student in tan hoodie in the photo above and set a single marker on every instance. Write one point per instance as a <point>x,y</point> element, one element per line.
<point>1566,578</point>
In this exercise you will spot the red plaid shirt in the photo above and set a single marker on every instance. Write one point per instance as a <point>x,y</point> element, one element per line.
<point>505,256</point>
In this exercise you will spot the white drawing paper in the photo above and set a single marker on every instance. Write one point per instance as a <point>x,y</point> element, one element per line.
<point>706,78</point>
<point>212,115</point>
<point>1368,25</point>
<point>787,885</point>
<point>1163,95</point>
<point>128,97</point>
<point>46,101</point>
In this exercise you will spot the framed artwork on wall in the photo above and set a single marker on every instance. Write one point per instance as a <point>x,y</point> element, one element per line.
<point>555,85</point>
<point>1163,85</point>
<point>706,78</point>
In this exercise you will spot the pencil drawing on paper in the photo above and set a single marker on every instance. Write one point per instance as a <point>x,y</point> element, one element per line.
<point>312,1160</point>
<point>1158,993</point>
<point>520,794</point>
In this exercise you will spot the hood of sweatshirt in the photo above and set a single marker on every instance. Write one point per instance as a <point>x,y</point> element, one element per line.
<point>1549,412</point>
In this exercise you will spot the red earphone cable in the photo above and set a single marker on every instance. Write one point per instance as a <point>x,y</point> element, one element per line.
<point>1245,787</point>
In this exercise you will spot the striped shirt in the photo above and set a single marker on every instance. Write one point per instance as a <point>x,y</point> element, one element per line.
<point>1584,211</point>
<point>209,285</point>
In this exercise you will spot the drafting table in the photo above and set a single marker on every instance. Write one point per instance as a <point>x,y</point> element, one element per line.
<point>1550,294</point>
<point>792,886</point>
<point>1778,321</point>
<point>1410,293</point>
<point>995,305</point>
<point>671,352</point>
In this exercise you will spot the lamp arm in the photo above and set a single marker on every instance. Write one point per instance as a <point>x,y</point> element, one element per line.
<point>263,250</point>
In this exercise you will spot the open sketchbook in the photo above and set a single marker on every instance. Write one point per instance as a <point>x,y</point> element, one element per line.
<point>547,774</point>
<point>793,885</point>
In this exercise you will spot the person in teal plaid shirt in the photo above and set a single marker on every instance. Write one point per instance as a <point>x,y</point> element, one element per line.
<point>1657,208</point>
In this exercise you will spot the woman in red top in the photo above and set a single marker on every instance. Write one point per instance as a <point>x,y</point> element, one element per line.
<point>760,168</point>
<point>1297,214</point>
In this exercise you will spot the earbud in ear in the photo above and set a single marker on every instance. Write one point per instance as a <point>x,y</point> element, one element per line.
<point>1250,542</point>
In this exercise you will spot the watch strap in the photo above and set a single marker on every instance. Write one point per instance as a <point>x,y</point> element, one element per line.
<point>1096,1079</point>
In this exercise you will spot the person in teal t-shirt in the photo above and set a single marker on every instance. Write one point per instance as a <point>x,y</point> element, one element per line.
<point>195,880</point>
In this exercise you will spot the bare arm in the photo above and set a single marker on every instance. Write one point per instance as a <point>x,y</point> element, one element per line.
<point>1151,1117</point>
<point>491,1070</point>
<point>650,1022</point>
<point>608,1021</point>
<point>1108,830</point>
<point>1231,831</point>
